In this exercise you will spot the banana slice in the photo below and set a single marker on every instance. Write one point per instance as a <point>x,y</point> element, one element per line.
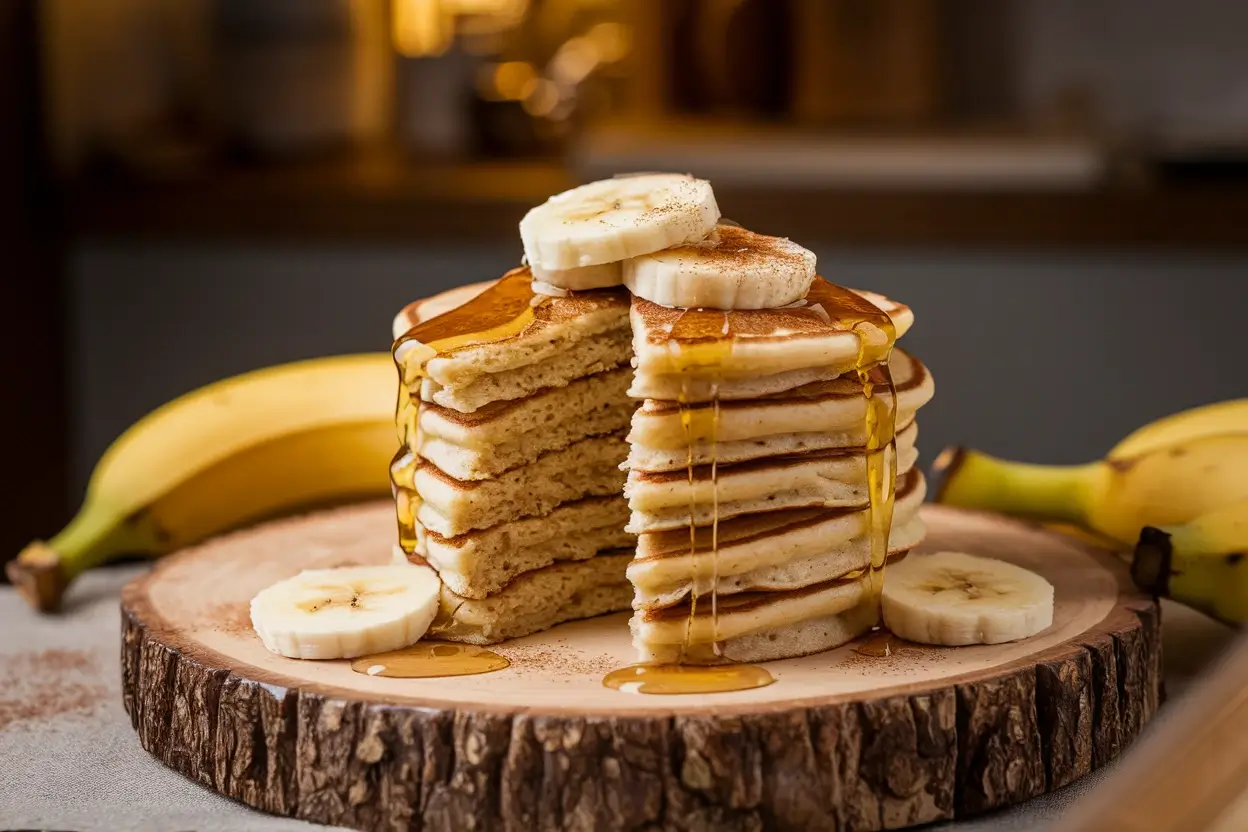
<point>615,219</point>
<point>953,599</point>
<point>599,276</point>
<point>731,269</point>
<point>346,612</point>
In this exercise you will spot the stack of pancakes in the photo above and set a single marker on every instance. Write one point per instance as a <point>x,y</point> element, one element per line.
<point>748,474</point>
<point>509,480</point>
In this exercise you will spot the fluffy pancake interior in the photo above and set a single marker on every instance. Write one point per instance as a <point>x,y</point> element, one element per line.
<point>480,563</point>
<point>587,468</point>
<point>505,435</point>
<point>538,600</point>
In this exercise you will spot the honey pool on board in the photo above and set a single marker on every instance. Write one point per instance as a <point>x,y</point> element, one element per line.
<point>881,644</point>
<point>427,659</point>
<point>687,678</point>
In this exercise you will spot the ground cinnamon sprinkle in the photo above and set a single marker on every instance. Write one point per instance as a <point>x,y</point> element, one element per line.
<point>557,660</point>
<point>233,618</point>
<point>47,684</point>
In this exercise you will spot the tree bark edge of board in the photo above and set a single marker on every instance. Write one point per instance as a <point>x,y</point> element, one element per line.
<point>976,744</point>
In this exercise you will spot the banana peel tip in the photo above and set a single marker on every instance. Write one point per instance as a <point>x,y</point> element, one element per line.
<point>37,575</point>
<point>944,469</point>
<point>1150,564</point>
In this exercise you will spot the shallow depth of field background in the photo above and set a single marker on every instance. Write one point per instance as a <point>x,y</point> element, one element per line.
<point>1058,188</point>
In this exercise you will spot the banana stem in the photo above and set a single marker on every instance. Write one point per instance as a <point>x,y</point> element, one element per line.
<point>1150,565</point>
<point>1055,493</point>
<point>43,571</point>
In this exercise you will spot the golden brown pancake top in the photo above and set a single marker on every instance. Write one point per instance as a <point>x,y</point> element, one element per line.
<point>828,309</point>
<point>508,300</point>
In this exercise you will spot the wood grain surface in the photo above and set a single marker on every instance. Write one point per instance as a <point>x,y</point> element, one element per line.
<point>841,741</point>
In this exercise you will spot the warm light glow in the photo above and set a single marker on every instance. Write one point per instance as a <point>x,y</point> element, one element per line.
<point>613,41</point>
<point>575,59</point>
<point>514,80</point>
<point>494,8</point>
<point>425,28</point>
<point>422,28</point>
<point>543,99</point>
<point>484,17</point>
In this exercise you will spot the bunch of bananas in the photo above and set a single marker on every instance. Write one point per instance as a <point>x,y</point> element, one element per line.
<point>1176,490</point>
<point>259,445</point>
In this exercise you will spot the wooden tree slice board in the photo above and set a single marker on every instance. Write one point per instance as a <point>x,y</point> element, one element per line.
<point>840,740</point>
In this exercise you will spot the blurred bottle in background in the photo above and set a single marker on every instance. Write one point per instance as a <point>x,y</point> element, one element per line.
<point>126,83</point>
<point>732,57</point>
<point>157,87</point>
<point>301,76</point>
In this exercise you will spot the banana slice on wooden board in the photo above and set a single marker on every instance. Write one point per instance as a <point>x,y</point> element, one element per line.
<point>346,612</point>
<point>955,599</point>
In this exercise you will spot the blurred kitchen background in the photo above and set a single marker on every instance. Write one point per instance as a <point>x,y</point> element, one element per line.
<point>193,188</point>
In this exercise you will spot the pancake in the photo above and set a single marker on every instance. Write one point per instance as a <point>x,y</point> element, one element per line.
<point>761,351</point>
<point>479,563</point>
<point>777,550</point>
<point>728,453</point>
<point>816,416</point>
<point>813,635</point>
<point>586,468</point>
<point>521,342</point>
<point>419,311</point>
<point>507,434</point>
<point>593,354</point>
<point>844,560</point>
<point>511,327</point>
<point>749,612</point>
<point>524,403</point>
<point>538,600</point>
<point>664,500</point>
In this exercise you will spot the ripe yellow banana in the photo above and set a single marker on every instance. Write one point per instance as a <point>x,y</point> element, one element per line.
<point>244,449</point>
<point>1167,473</point>
<point>1203,563</point>
<point>1210,420</point>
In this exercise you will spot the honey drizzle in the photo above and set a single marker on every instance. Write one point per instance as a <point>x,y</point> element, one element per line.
<point>715,516</point>
<point>704,359</point>
<point>686,422</point>
<point>406,500</point>
<point>502,311</point>
<point>700,423</point>
<point>426,660</point>
<point>881,475</point>
<point>879,423</point>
